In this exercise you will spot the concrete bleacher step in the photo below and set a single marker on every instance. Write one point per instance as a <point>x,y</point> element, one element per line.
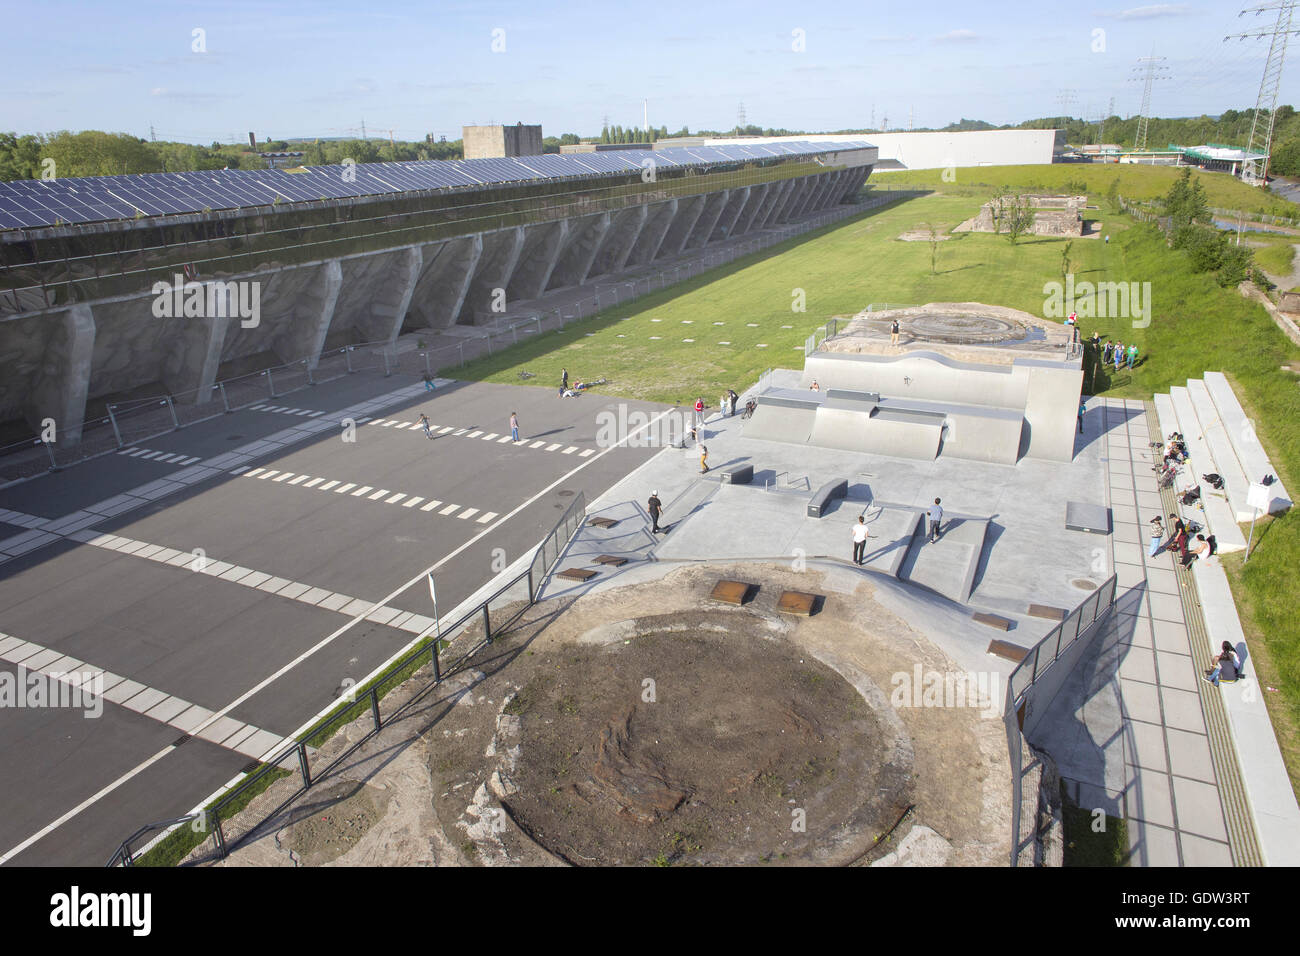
<point>1250,453</point>
<point>1225,464</point>
<point>1215,512</point>
<point>948,565</point>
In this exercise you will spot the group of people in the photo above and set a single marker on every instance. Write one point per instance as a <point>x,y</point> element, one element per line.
<point>578,387</point>
<point>1180,541</point>
<point>1175,449</point>
<point>1115,353</point>
<point>726,406</point>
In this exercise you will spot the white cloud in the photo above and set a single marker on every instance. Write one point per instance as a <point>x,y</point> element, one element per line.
<point>958,36</point>
<point>1149,12</point>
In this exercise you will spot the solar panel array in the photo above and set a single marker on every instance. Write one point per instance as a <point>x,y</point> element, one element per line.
<point>38,202</point>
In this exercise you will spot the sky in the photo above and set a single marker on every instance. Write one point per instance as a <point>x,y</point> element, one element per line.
<point>206,71</point>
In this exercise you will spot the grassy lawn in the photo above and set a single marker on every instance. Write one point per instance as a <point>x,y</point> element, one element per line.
<point>1135,182</point>
<point>1196,326</point>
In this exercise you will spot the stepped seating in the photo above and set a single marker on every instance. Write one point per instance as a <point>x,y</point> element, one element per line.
<point>1235,483</point>
<point>1218,517</point>
<point>1250,454</point>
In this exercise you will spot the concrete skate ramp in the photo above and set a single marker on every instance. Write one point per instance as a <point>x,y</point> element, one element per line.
<point>784,415</point>
<point>946,566</point>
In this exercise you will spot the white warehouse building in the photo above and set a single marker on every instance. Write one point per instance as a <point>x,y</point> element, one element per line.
<point>996,147</point>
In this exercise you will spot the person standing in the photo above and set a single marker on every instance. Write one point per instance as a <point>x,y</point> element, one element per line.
<point>1157,536</point>
<point>1106,353</point>
<point>722,406</point>
<point>699,411</point>
<point>704,459</point>
<point>514,426</point>
<point>1083,407</point>
<point>428,382</point>
<point>1119,355</point>
<point>655,507</point>
<point>1132,355</point>
<point>860,536</point>
<point>424,423</point>
<point>564,380</point>
<point>936,519</point>
<point>893,333</point>
<point>731,394</point>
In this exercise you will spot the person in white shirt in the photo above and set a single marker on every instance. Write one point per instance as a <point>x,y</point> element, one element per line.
<point>860,536</point>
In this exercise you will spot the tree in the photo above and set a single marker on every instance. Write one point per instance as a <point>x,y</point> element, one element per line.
<point>932,233</point>
<point>1018,216</point>
<point>1112,196</point>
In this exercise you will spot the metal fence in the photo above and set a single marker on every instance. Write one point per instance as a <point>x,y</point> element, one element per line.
<point>470,632</point>
<point>1078,624</point>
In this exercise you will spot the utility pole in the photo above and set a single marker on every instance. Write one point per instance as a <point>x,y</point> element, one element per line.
<point>645,117</point>
<point>1067,99</point>
<point>740,118</point>
<point>152,137</point>
<point>1101,129</point>
<point>363,130</point>
<point>1152,72</point>
<point>1255,171</point>
<point>911,115</point>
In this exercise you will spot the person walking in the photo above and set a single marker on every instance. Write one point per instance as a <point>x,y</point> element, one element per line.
<point>424,423</point>
<point>699,411</point>
<point>514,426</point>
<point>704,459</point>
<point>428,382</point>
<point>893,333</point>
<point>936,519</point>
<point>1157,536</point>
<point>655,507</point>
<point>860,536</point>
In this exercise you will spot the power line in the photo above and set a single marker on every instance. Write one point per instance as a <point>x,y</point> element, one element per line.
<point>1152,73</point>
<point>1255,171</point>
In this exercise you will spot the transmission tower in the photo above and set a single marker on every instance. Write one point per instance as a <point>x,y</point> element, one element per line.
<point>1101,127</point>
<point>1149,74</point>
<point>740,118</point>
<point>1067,99</point>
<point>1255,171</point>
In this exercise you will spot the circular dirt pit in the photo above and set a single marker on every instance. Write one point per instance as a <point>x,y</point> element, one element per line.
<point>634,750</point>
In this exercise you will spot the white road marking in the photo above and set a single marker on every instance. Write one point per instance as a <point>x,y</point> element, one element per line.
<point>339,491</point>
<point>362,490</point>
<point>467,513</point>
<point>553,447</point>
<point>486,517</point>
<point>570,450</point>
<point>431,505</point>
<point>313,483</point>
<point>449,509</point>
<point>326,641</point>
<point>588,451</point>
<point>396,498</point>
<point>267,474</point>
<point>283,476</point>
<point>328,485</point>
<point>300,478</point>
<point>412,502</point>
<point>379,494</point>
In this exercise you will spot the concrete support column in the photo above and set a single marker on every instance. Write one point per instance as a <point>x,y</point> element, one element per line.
<point>496,266</point>
<point>189,367</point>
<point>735,206</point>
<point>580,248</point>
<point>309,322</point>
<point>588,257</point>
<point>793,196</point>
<point>388,307</point>
<point>688,215</point>
<point>708,221</point>
<point>803,201</point>
<point>620,240</point>
<point>757,196</point>
<point>776,193</point>
<point>441,290</point>
<point>541,249</point>
<point>63,382</point>
<point>652,237</point>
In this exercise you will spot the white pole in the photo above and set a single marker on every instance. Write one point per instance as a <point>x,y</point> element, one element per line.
<point>1252,536</point>
<point>433,593</point>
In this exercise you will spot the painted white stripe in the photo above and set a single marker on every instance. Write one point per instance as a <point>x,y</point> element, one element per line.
<point>431,505</point>
<point>252,474</point>
<point>490,437</point>
<point>460,431</point>
<point>328,485</point>
<point>474,434</point>
<point>444,430</point>
<point>504,438</point>
<point>536,444</point>
<point>588,451</point>
<point>553,447</point>
<point>379,494</point>
<point>151,455</point>
<point>267,474</point>
<point>340,490</point>
<point>362,490</point>
<point>412,501</point>
<point>570,450</point>
<point>138,452</point>
<point>259,408</point>
<point>449,509</point>
<point>396,498</point>
<point>486,517</point>
<point>388,424</point>
<point>313,483</point>
<point>467,513</point>
<point>299,479</point>
<point>283,476</point>
<point>190,461</point>
<point>316,414</point>
<point>405,424</point>
<point>302,411</point>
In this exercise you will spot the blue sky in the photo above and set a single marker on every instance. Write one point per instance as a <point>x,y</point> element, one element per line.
<point>321,68</point>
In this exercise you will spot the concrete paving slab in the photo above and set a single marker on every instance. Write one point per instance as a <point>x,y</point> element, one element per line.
<point>123,692</point>
<point>190,718</point>
<point>1182,709</point>
<point>1199,809</point>
<point>1171,637</point>
<point>1150,799</point>
<point>1176,671</point>
<point>1141,701</point>
<point>1189,755</point>
<point>1151,845</point>
<point>1165,607</point>
<point>1147,746</point>
<point>1139,664</point>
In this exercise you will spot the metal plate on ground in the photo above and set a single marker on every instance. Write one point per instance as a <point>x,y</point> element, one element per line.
<point>797,602</point>
<point>1012,652</point>
<point>602,522</point>
<point>577,574</point>
<point>731,592</point>
<point>1081,516</point>
<point>612,560</point>
<point>1047,612</point>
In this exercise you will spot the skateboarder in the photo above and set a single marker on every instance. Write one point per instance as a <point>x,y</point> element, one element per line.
<point>936,519</point>
<point>860,536</point>
<point>704,459</point>
<point>655,507</point>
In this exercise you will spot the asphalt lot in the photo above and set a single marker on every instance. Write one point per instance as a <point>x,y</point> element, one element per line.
<point>176,596</point>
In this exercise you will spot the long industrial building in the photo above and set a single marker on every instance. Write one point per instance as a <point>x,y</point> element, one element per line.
<point>955,149</point>
<point>113,285</point>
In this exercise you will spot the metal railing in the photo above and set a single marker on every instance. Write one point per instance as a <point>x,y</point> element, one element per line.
<point>477,627</point>
<point>1042,656</point>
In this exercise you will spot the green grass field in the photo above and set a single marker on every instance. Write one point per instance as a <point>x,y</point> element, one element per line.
<point>1135,182</point>
<point>1196,326</point>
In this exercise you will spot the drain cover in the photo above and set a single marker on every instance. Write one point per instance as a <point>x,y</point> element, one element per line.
<point>1084,584</point>
<point>566,494</point>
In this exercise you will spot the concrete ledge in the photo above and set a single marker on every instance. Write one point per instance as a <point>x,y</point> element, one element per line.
<point>737,475</point>
<point>824,495</point>
<point>1268,788</point>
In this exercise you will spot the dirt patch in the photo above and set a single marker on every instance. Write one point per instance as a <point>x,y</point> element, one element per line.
<point>635,752</point>
<point>923,235</point>
<point>348,812</point>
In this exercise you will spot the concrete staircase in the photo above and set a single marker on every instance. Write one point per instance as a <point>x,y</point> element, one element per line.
<point>1220,440</point>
